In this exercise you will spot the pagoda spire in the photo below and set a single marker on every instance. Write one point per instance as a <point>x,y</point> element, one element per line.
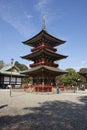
<point>43,22</point>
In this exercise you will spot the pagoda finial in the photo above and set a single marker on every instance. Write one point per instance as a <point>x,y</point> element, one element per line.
<point>43,22</point>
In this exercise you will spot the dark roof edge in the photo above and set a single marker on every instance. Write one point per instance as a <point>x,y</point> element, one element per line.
<point>43,31</point>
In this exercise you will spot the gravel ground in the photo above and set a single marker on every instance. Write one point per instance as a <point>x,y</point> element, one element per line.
<point>27,111</point>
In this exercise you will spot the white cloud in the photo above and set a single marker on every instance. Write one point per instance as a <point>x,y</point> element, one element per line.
<point>41,5</point>
<point>20,22</point>
<point>29,16</point>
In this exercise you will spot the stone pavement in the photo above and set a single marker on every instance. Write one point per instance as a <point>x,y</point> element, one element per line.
<point>26,111</point>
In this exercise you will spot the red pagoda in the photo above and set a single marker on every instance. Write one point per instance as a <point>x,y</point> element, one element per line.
<point>44,68</point>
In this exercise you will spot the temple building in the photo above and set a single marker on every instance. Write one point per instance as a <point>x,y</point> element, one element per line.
<point>44,56</point>
<point>83,72</point>
<point>10,75</point>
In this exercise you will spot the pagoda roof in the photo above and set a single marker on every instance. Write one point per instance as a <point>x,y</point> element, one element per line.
<point>43,34</point>
<point>48,52</point>
<point>39,69</point>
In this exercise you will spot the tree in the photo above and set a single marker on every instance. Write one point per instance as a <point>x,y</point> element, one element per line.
<point>69,79</point>
<point>1,64</point>
<point>21,66</point>
<point>27,80</point>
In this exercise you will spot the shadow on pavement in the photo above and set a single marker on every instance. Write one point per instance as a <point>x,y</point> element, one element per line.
<point>52,115</point>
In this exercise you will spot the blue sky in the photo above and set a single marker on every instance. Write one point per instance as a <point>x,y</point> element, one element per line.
<point>65,19</point>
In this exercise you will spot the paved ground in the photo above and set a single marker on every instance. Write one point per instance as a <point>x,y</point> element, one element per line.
<point>25,111</point>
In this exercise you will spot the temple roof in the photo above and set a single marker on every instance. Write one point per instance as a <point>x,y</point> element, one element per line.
<point>43,35</point>
<point>48,52</point>
<point>6,70</point>
<point>83,72</point>
<point>43,68</point>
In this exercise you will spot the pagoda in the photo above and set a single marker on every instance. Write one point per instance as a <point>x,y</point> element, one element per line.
<point>44,68</point>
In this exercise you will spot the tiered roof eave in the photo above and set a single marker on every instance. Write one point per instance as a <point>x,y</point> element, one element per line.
<point>55,71</point>
<point>37,53</point>
<point>31,42</point>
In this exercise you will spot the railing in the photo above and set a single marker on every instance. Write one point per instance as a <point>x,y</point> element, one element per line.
<point>43,88</point>
<point>44,63</point>
<point>43,46</point>
<point>39,87</point>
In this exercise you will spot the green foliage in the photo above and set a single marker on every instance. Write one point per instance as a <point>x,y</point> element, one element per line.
<point>1,64</point>
<point>27,80</point>
<point>21,66</point>
<point>71,78</point>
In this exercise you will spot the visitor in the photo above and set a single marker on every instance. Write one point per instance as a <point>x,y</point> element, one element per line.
<point>57,90</point>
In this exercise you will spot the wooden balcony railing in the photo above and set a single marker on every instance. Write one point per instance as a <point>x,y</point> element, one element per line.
<point>44,63</point>
<point>43,88</point>
<point>43,46</point>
